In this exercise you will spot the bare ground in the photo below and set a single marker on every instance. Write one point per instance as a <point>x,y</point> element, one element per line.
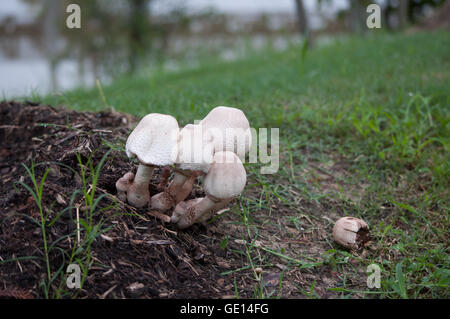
<point>140,256</point>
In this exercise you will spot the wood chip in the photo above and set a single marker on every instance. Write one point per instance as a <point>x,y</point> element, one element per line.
<point>60,199</point>
<point>135,286</point>
<point>107,238</point>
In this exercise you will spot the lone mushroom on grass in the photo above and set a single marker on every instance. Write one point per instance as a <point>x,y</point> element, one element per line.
<point>351,233</point>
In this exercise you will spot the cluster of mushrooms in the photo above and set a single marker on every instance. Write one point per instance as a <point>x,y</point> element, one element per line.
<point>213,148</point>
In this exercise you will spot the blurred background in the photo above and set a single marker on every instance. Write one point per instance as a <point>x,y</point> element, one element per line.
<point>40,55</point>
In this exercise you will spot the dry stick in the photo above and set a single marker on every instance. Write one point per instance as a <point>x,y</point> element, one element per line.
<point>103,296</point>
<point>78,226</point>
<point>77,208</point>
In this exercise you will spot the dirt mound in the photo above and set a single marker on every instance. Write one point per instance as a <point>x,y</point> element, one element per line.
<point>133,254</point>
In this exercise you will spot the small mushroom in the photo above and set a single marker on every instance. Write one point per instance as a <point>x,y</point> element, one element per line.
<point>164,177</point>
<point>123,184</point>
<point>350,232</point>
<point>225,180</point>
<point>154,143</point>
<point>194,158</point>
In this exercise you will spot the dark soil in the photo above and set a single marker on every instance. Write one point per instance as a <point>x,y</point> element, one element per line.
<point>138,255</point>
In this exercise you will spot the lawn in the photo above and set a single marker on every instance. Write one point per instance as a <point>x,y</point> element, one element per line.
<point>364,132</point>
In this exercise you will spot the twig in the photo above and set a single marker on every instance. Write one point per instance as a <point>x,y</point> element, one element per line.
<point>78,225</point>
<point>108,292</point>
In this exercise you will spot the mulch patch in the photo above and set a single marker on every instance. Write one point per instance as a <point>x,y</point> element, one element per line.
<point>139,256</point>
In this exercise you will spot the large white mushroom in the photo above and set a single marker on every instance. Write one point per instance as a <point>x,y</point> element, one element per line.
<point>229,130</point>
<point>226,129</point>
<point>225,180</point>
<point>154,143</point>
<point>195,155</point>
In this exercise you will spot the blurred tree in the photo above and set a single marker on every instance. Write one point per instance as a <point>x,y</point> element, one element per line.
<point>116,35</point>
<point>53,50</point>
<point>356,10</point>
<point>139,32</point>
<point>417,8</point>
<point>398,14</point>
<point>358,15</point>
<point>302,19</point>
<point>403,13</point>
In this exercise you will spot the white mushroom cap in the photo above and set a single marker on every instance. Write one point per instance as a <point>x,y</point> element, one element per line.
<point>351,232</point>
<point>232,124</point>
<point>226,177</point>
<point>195,152</point>
<point>154,140</point>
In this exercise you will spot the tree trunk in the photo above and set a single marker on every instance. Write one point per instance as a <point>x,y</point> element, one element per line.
<point>51,36</point>
<point>403,13</point>
<point>356,16</point>
<point>302,19</point>
<point>138,32</point>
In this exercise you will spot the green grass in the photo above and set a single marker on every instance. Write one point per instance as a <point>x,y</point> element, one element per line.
<point>54,284</point>
<point>380,104</point>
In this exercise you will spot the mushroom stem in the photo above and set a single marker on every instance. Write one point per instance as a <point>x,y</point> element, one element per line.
<point>197,210</point>
<point>143,174</point>
<point>167,199</point>
<point>138,193</point>
<point>182,185</point>
<point>185,215</point>
<point>185,189</point>
<point>165,174</point>
<point>178,181</point>
<point>220,205</point>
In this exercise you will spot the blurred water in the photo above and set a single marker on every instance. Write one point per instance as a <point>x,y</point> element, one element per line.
<point>28,72</point>
<point>24,77</point>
